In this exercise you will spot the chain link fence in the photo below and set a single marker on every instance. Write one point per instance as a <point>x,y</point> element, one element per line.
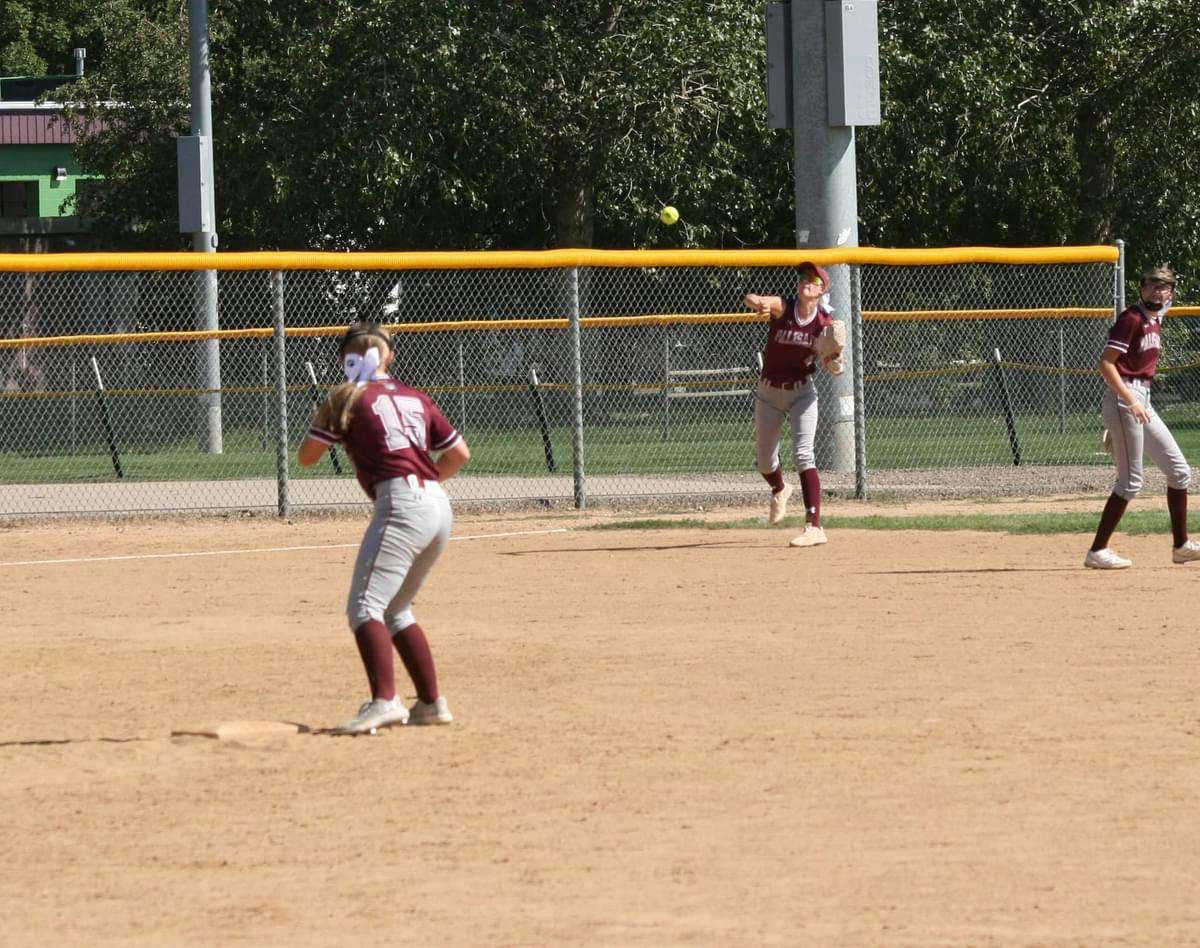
<point>574,385</point>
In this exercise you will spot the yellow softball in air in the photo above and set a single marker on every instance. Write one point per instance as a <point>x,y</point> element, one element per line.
<point>668,215</point>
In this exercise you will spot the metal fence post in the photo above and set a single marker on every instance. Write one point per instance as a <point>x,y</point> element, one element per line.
<point>856,371</point>
<point>1062,381</point>
<point>74,411</point>
<point>1014,443</point>
<point>462,387</point>
<point>1119,281</point>
<point>109,431</point>
<point>281,425</point>
<point>666,389</point>
<point>539,410</point>
<point>576,389</point>
<point>264,375</point>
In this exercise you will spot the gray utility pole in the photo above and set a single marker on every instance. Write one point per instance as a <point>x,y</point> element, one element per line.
<point>197,217</point>
<point>823,63</point>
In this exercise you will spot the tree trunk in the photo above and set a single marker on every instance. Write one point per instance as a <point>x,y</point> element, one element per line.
<point>1097,175</point>
<point>573,212</point>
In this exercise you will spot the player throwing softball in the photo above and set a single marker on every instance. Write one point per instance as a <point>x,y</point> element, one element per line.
<point>1128,365</point>
<point>802,333</point>
<point>391,432</point>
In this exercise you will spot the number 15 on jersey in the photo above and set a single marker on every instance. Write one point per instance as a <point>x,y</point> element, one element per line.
<point>403,420</point>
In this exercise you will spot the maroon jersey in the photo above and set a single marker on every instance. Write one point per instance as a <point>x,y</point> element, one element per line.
<point>1137,335</point>
<point>392,430</point>
<point>789,355</point>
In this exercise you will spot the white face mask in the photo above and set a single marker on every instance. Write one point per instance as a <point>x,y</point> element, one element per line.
<point>361,368</point>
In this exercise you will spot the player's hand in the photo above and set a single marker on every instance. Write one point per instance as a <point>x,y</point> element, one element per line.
<point>760,304</point>
<point>1138,410</point>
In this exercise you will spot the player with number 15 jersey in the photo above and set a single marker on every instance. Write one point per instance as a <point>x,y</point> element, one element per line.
<point>395,427</point>
<point>402,447</point>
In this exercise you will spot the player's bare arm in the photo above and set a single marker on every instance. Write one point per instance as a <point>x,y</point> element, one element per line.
<point>769,306</point>
<point>451,461</point>
<point>312,449</point>
<point>1112,378</point>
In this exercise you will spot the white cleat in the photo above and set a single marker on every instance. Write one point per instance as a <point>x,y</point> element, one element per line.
<point>1105,559</point>
<point>779,502</point>
<point>1186,553</point>
<point>812,536</point>
<point>436,712</point>
<point>374,714</point>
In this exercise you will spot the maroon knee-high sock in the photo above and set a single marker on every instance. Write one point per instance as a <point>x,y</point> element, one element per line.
<point>810,486</point>
<point>1177,505</point>
<point>418,661</point>
<point>376,650</point>
<point>775,479</point>
<point>1114,509</point>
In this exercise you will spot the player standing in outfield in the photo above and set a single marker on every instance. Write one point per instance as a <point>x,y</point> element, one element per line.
<point>390,431</point>
<point>802,332</point>
<point>1127,366</point>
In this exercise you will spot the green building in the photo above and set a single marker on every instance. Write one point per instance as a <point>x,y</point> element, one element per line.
<point>38,175</point>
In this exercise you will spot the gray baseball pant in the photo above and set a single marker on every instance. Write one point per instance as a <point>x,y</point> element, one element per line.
<point>1131,439</point>
<point>771,406</point>
<point>408,532</point>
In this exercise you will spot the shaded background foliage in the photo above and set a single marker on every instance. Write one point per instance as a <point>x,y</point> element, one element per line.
<point>379,124</point>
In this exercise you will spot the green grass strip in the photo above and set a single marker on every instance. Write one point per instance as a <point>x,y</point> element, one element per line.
<point>1134,523</point>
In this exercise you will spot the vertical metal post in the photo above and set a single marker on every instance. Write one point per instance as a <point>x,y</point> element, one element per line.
<point>264,400</point>
<point>109,432</point>
<point>826,195</point>
<point>205,304</point>
<point>539,410</point>
<point>576,388</point>
<point>74,411</point>
<point>1119,281</point>
<point>462,387</point>
<point>856,370</point>
<point>1006,403</point>
<point>1062,382</point>
<point>666,389</point>
<point>281,418</point>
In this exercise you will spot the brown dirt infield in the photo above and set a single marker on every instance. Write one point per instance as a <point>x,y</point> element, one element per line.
<point>663,737</point>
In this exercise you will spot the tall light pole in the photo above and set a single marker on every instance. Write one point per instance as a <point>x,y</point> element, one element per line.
<point>197,217</point>
<point>822,81</point>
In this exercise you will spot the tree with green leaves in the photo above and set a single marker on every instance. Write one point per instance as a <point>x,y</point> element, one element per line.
<point>1036,122</point>
<point>448,124</point>
<point>381,124</point>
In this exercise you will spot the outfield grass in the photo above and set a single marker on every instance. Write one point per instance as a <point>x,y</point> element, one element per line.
<point>1135,522</point>
<point>639,449</point>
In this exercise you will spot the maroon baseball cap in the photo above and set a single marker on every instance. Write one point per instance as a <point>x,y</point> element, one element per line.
<point>809,267</point>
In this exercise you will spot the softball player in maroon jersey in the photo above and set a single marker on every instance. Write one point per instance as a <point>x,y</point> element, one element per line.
<point>785,390</point>
<point>1127,366</point>
<point>391,432</point>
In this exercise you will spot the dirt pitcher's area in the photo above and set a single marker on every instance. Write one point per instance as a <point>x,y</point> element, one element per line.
<point>663,737</point>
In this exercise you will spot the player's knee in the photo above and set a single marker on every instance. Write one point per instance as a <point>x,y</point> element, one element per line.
<point>805,460</point>
<point>358,612</point>
<point>1129,489</point>
<point>398,621</point>
<point>1180,478</point>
